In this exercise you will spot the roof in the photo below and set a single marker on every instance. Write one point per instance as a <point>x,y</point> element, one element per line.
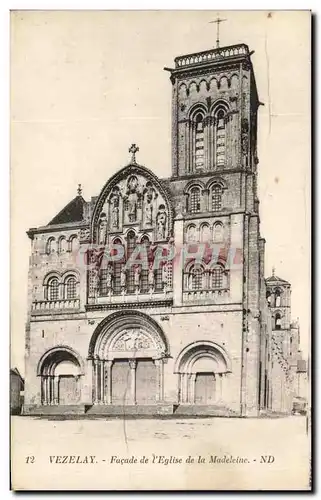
<point>276,279</point>
<point>15,371</point>
<point>72,212</point>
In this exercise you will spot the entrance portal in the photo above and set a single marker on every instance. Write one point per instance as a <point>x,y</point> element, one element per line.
<point>128,353</point>
<point>202,368</point>
<point>60,377</point>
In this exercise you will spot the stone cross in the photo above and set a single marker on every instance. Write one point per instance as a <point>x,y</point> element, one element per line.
<point>79,190</point>
<point>133,150</point>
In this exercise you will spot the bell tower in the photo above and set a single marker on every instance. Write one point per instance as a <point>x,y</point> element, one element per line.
<point>214,112</point>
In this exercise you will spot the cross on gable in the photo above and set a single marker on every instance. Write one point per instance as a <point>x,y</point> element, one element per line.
<point>133,150</point>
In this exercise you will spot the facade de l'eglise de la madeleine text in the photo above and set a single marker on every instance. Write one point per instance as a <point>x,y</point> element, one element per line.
<point>116,323</point>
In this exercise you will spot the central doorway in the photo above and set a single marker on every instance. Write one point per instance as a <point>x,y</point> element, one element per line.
<point>133,381</point>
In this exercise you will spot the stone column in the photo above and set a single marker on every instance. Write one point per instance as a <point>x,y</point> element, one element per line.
<point>178,262</point>
<point>50,389</point>
<point>190,146</point>
<point>192,379</point>
<point>132,366</point>
<point>96,362</point>
<point>159,379</point>
<point>44,390</point>
<point>108,390</point>
<point>102,382</point>
<point>179,387</point>
<point>56,390</point>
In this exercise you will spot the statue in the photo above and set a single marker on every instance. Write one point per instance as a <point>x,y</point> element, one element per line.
<point>114,200</point>
<point>151,276</point>
<point>132,207</point>
<point>102,229</point>
<point>132,198</point>
<point>123,277</point>
<point>164,274</point>
<point>95,281</point>
<point>148,211</point>
<point>161,223</point>
<point>109,276</point>
<point>137,276</point>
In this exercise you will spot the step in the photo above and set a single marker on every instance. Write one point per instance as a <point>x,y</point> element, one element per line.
<point>119,410</point>
<point>199,410</point>
<point>40,410</point>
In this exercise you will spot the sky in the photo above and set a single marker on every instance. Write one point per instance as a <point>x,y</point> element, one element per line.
<point>85,85</point>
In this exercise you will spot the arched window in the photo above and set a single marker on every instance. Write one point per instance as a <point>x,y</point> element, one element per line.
<point>191,234</point>
<point>216,198</point>
<point>117,265</point>
<point>62,245</point>
<point>217,277</point>
<point>144,271</point>
<point>50,246</point>
<point>131,244</point>
<point>53,289</point>
<point>195,200</point>
<point>73,243</point>
<point>277,298</point>
<point>205,233</point>
<point>199,142</point>
<point>220,137</point>
<point>71,288</point>
<point>218,232</point>
<point>196,280</point>
<point>277,321</point>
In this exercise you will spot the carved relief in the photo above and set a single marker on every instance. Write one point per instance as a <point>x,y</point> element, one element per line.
<point>133,340</point>
<point>84,235</point>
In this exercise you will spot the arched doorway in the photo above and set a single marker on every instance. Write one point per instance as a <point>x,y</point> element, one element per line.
<point>128,351</point>
<point>60,371</point>
<point>202,368</point>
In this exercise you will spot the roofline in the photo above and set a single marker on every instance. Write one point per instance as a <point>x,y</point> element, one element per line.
<point>56,227</point>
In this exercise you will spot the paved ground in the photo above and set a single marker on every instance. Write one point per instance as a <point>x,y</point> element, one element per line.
<point>147,454</point>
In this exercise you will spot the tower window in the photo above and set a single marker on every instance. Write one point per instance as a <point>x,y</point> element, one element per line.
<point>278,321</point>
<point>71,288</point>
<point>196,278</point>
<point>220,137</point>
<point>199,142</point>
<point>53,289</point>
<point>277,298</point>
<point>217,277</point>
<point>216,198</point>
<point>195,200</point>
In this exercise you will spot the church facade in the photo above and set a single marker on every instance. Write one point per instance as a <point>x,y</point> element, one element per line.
<point>151,297</point>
